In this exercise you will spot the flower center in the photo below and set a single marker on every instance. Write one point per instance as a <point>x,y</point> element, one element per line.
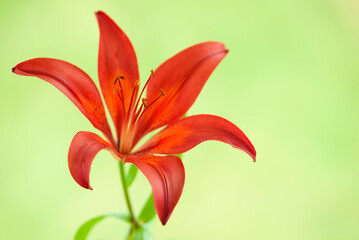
<point>132,111</point>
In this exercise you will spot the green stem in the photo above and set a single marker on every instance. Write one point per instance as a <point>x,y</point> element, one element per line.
<point>127,196</point>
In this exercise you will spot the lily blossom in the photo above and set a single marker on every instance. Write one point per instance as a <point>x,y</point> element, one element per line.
<point>170,91</point>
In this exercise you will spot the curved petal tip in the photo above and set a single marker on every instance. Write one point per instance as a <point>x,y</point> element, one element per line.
<point>87,186</point>
<point>166,176</point>
<point>99,13</point>
<point>83,149</point>
<point>251,152</point>
<point>190,131</point>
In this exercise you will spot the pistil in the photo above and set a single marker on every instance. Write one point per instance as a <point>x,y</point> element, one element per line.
<point>133,113</point>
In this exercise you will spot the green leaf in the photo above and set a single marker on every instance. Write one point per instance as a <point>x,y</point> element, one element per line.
<point>131,175</point>
<point>85,228</point>
<point>141,234</point>
<point>122,216</point>
<point>148,211</point>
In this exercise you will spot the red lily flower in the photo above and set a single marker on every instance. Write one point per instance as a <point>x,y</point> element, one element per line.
<point>171,90</point>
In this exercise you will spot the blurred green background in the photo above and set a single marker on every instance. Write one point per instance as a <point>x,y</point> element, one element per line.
<point>290,82</point>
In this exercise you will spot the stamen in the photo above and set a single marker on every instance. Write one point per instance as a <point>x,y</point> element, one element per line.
<point>118,94</point>
<point>119,89</point>
<point>137,114</point>
<point>143,89</point>
<point>144,100</point>
<point>148,80</point>
<point>137,84</point>
<point>162,94</point>
<point>122,102</point>
<point>118,77</point>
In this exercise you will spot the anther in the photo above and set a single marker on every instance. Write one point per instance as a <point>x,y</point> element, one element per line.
<point>162,92</point>
<point>144,100</point>
<point>137,83</point>
<point>117,89</point>
<point>119,77</point>
<point>152,73</point>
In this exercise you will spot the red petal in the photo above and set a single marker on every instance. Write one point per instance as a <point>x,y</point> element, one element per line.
<point>190,131</point>
<point>116,58</point>
<point>74,83</point>
<point>181,78</point>
<point>166,176</point>
<point>83,149</point>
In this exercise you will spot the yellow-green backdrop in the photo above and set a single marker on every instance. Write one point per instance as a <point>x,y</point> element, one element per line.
<point>290,82</point>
